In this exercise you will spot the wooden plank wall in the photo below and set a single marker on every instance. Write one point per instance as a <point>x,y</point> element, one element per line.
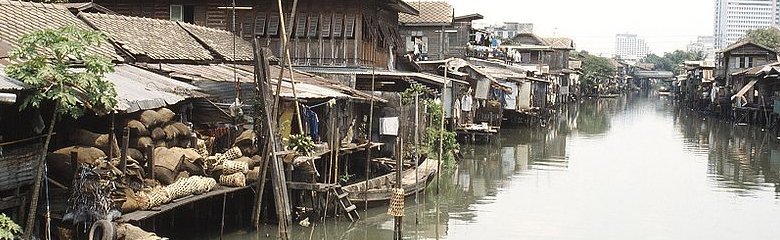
<point>306,49</point>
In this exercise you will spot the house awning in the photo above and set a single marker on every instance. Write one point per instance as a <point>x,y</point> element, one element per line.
<point>219,80</point>
<point>138,89</point>
<point>744,89</point>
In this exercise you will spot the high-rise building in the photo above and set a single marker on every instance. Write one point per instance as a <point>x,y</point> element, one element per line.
<point>630,47</point>
<point>733,18</point>
<point>704,44</point>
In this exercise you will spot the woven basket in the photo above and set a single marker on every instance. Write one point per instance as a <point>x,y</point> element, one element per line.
<point>233,180</point>
<point>396,208</point>
<point>231,167</point>
<point>233,153</point>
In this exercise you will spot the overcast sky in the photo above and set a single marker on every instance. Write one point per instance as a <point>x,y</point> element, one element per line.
<point>666,25</point>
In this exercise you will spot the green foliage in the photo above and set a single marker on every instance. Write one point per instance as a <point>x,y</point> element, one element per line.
<point>8,229</point>
<point>433,135</point>
<point>49,60</point>
<point>302,144</point>
<point>673,61</point>
<point>595,69</point>
<point>346,177</point>
<point>407,96</point>
<point>768,37</point>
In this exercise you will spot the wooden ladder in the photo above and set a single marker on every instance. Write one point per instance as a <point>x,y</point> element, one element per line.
<point>349,208</point>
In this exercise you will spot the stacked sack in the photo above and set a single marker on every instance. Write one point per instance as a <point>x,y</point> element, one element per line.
<point>183,187</point>
<point>158,129</point>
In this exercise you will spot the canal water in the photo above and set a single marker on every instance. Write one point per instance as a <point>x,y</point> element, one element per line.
<point>625,168</point>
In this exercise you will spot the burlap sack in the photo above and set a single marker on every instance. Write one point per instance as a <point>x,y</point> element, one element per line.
<point>166,115</point>
<point>83,137</point>
<point>137,155</point>
<point>158,134</point>
<point>137,129</point>
<point>59,161</point>
<point>245,137</point>
<point>141,142</point>
<point>233,180</point>
<point>171,132</point>
<point>182,129</point>
<point>159,144</point>
<point>150,119</point>
<point>252,175</point>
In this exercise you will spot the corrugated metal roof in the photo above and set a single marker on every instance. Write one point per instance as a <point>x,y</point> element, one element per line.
<point>20,18</point>
<point>219,80</point>
<point>10,84</point>
<point>138,89</point>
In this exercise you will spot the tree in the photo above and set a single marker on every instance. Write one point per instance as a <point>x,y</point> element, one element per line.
<point>57,64</point>
<point>594,69</point>
<point>768,37</point>
<point>672,61</point>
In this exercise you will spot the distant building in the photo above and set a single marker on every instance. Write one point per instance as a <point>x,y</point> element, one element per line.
<point>424,32</point>
<point>735,17</point>
<point>630,47</point>
<point>509,30</point>
<point>704,44</point>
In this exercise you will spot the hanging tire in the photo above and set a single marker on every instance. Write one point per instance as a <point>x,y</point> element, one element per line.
<point>102,230</point>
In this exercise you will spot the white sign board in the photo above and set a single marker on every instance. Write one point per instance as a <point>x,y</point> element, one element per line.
<point>388,126</point>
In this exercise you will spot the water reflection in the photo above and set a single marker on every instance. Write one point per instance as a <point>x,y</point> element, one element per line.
<point>624,168</point>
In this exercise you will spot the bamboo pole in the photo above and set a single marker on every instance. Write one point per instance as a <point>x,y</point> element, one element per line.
<point>286,58</point>
<point>370,142</point>
<point>441,129</point>
<point>416,157</point>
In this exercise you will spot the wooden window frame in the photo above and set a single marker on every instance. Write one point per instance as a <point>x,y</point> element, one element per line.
<point>180,11</point>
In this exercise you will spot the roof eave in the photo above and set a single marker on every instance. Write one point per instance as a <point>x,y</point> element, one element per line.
<point>403,7</point>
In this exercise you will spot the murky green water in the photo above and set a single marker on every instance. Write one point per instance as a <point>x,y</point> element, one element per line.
<point>625,168</point>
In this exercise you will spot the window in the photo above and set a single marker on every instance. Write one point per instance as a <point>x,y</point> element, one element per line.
<point>182,13</point>
<point>350,27</point>
<point>273,25</point>
<point>744,62</point>
<point>177,12</point>
<point>260,25</point>
<point>326,20</point>
<point>313,21</point>
<point>300,26</point>
<point>338,25</point>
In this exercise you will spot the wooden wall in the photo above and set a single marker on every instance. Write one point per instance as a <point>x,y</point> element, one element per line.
<point>317,38</point>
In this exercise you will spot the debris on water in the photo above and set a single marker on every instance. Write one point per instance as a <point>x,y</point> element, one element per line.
<point>305,222</point>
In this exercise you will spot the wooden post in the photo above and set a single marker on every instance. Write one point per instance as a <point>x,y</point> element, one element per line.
<point>123,151</point>
<point>74,162</point>
<point>150,161</point>
<point>111,139</point>
<point>399,168</point>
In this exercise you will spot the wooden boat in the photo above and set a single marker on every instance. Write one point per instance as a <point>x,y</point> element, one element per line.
<point>608,95</point>
<point>380,188</point>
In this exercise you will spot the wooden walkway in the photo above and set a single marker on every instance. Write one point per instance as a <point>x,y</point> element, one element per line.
<point>138,216</point>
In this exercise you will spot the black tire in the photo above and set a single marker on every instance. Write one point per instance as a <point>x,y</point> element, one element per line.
<point>102,230</point>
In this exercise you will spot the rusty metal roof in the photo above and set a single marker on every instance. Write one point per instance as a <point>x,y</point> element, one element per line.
<point>20,18</point>
<point>138,89</point>
<point>149,38</point>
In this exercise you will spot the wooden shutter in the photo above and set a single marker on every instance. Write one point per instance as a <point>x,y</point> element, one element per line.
<point>338,25</point>
<point>326,25</point>
<point>349,28</point>
<point>300,25</point>
<point>313,22</point>
<point>246,27</point>
<point>260,24</point>
<point>288,23</point>
<point>273,25</point>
